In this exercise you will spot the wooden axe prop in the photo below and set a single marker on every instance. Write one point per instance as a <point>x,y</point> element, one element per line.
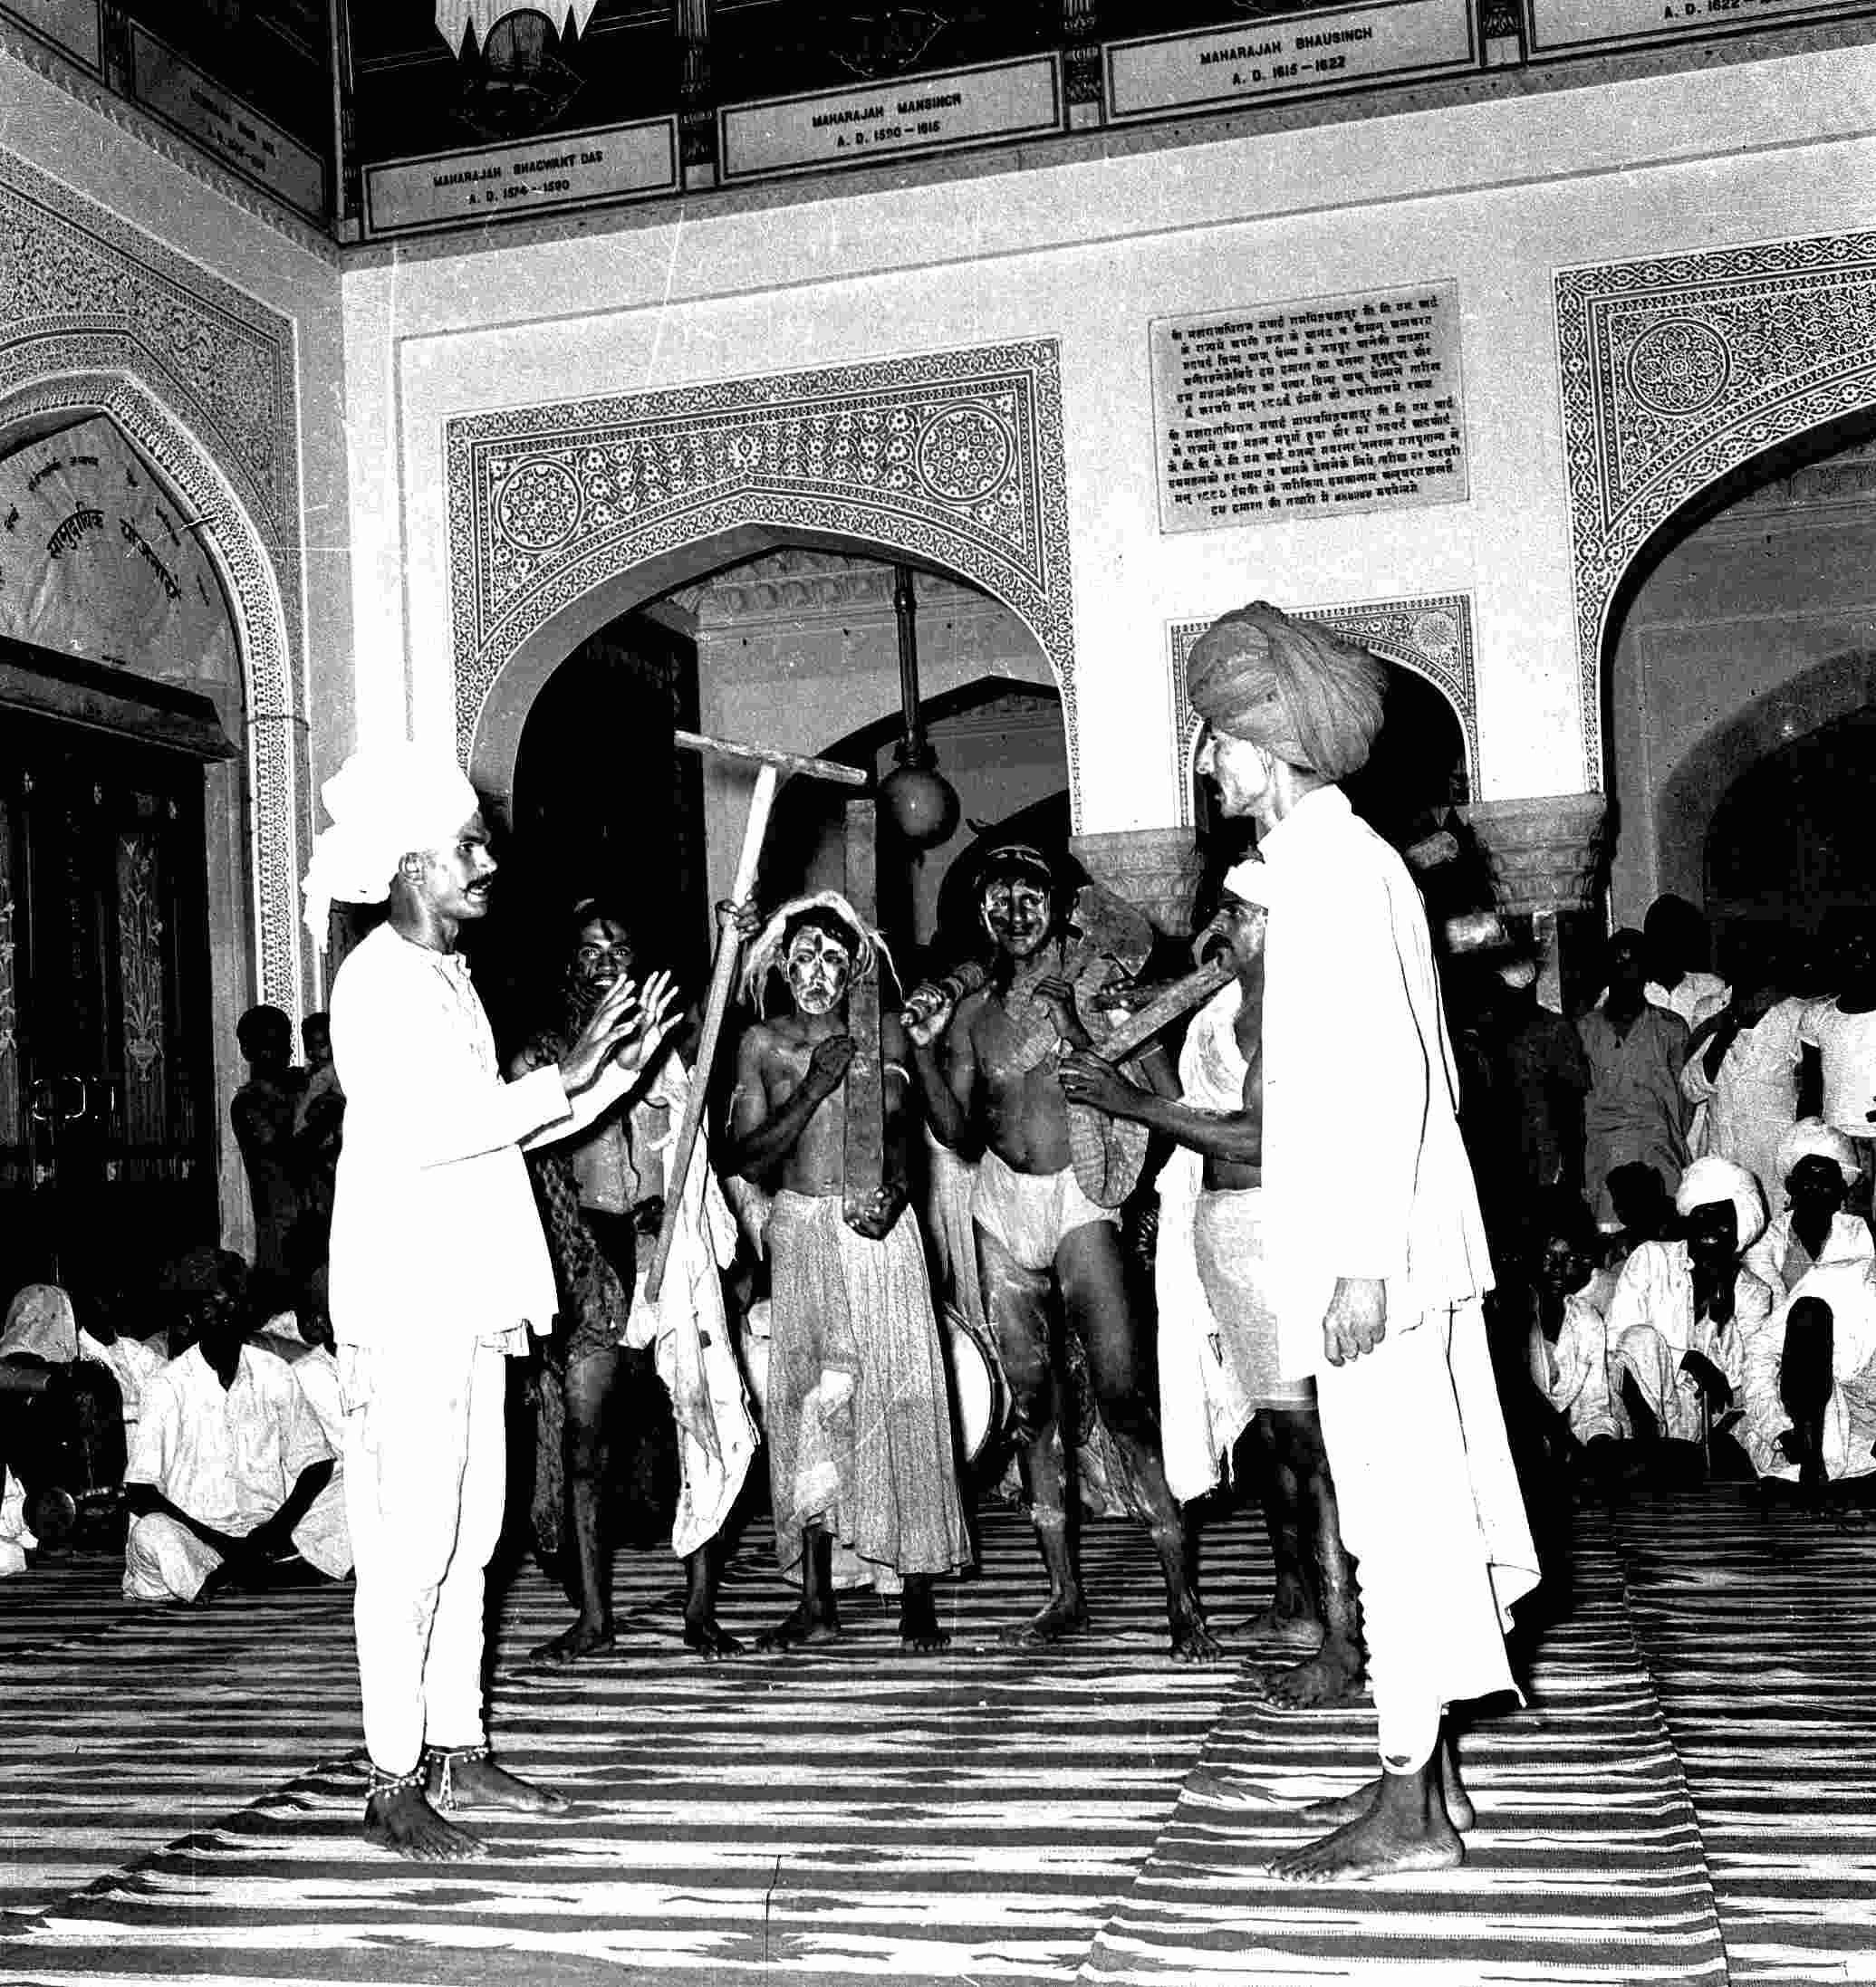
<point>771,769</point>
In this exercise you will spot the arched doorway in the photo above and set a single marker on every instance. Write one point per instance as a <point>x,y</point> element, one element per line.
<point>123,879</point>
<point>1739,638</point>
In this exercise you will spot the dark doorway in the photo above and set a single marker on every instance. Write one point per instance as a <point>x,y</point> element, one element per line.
<point>107,1116</point>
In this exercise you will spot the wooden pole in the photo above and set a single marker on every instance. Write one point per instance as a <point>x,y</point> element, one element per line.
<point>864,1166</point>
<point>722,980</point>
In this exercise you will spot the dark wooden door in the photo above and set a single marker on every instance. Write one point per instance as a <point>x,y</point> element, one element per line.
<point>107,1122</point>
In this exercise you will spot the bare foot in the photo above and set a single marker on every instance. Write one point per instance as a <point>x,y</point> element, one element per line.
<point>400,1820</point>
<point>1301,1632</point>
<point>583,1638</point>
<point>797,1629</point>
<point>1065,1615</point>
<point>1378,1843</point>
<point>1332,1676</point>
<point>1345,1808</point>
<point>709,1638</point>
<point>1193,1641</point>
<point>919,1630</point>
<point>475,1781</point>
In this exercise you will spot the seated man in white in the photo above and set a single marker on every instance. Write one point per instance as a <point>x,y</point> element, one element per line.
<point>1808,1380</point>
<point>230,1478</point>
<point>1682,1310</point>
<point>1568,1347</point>
<point>1820,1170</point>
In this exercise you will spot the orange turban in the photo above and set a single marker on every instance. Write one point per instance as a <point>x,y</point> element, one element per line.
<point>1294,688</point>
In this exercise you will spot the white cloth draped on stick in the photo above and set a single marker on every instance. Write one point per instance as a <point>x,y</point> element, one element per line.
<point>1203,1410</point>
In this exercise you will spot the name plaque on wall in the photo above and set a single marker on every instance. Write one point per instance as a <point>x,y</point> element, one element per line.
<point>1558,27</point>
<point>233,130</point>
<point>535,175</point>
<point>1298,55</point>
<point>1330,405</point>
<point>72,24</point>
<point>927,113</point>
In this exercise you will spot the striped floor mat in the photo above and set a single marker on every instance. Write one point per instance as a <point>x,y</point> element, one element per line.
<point>1585,1864</point>
<point>179,1795</point>
<point>847,1813</point>
<point>1761,1633</point>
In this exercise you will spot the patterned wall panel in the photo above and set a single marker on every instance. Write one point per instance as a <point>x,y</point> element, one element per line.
<point>202,379</point>
<point>1676,370</point>
<point>952,457</point>
<point>1430,634</point>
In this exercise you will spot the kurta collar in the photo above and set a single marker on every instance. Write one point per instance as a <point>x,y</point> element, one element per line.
<point>1313,812</point>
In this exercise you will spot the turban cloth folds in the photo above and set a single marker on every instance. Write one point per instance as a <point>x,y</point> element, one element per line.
<point>41,1321</point>
<point>1812,1138</point>
<point>1713,1180</point>
<point>386,802</point>
<point>1293,687</point>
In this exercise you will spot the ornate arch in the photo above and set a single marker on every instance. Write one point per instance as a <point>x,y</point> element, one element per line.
<point>952,459</point>
<point>1676,370</point>
<point>1429,634</point>
<point>98,317</point>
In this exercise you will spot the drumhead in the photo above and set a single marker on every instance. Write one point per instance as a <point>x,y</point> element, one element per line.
<point>976,1387</point>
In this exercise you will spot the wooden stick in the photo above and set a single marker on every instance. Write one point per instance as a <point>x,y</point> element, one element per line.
<point>722,979</point>
<point>782,762</point>
<point>864,1163</point>
<point>1163,1010</point>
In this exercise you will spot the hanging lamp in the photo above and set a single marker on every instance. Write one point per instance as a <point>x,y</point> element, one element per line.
<point>917,800</point>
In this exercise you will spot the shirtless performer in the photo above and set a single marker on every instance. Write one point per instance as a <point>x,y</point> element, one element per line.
<point>1220,1370</point>
<point>1039,1233</point>
<point>861,1472</point>
<point>603,1198</point>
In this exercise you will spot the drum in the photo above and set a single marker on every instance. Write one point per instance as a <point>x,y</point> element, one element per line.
<point>977,1389</point>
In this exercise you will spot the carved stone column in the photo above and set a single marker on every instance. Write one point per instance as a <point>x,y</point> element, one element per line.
<point>1155,869</point>
<point>1546,858</point>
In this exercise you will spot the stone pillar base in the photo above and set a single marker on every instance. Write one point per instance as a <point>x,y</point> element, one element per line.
<point>1546,854</point>
<point>1546,858</point>
<point>1155,869</point>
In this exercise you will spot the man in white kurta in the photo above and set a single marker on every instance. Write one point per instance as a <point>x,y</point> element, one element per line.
<point>1376,1253</point>
<point>438,1271</point>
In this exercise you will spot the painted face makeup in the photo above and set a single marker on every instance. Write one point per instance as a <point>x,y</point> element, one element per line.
<point>1017,913</point>
<point>817,967</point>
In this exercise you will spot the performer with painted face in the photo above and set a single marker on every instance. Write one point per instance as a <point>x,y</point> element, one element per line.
<point>602,1197</point>
<point>1045,1209</point>
<point>861,1472</point>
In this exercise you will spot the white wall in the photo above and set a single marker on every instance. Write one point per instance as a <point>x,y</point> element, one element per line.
<point>1496,195</point>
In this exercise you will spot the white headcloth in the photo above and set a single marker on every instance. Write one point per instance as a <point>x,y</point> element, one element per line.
<point>1715,1179</point>
<point>1812,1138</point>
<point>386,802</point>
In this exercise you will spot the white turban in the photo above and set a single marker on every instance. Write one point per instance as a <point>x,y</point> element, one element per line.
<point>386,801</point>
<point>1713,1180</point>
<point>1812,1138</point>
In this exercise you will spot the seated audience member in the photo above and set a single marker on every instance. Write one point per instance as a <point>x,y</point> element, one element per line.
<point>132,1362</point>
<point>1644,1209</point>
<point>1818,1169</point>
<point>1569,1343</point>
<point>1808,1386</point>
<point>1838,1034</point>
<point>1742,1072</point>
<point>61,1421</point>
<point>1682,1310</point>
<point>231,1481</point>
<point>1634,1111</point>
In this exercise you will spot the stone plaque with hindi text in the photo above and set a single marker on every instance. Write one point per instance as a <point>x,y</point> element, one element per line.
<point>1318,407</point>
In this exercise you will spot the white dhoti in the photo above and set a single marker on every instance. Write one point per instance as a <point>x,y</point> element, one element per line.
<point>426,1475</point>
<point>1850,1414</point>
<point>1680,1408</point>
<point>165,1561</point>
<point>1433,1518</point>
